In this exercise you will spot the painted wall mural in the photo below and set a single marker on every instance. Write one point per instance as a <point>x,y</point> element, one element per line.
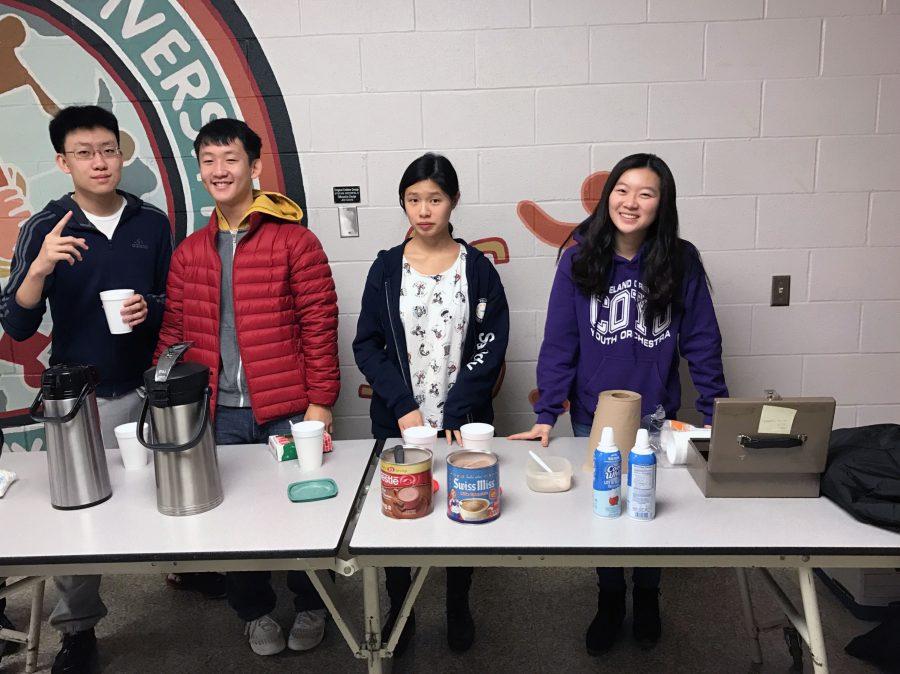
<point>164,68</point>
<point>555,232</point>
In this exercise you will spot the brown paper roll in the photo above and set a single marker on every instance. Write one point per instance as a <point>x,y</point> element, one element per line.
<point>622,411</point>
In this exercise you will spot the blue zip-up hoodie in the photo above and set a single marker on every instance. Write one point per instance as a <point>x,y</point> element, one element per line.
<point>136,257</point>
<point>380,344</point>
<point>596,344</point>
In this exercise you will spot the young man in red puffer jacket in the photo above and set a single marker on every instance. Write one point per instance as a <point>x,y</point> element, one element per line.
<point>253,291</point>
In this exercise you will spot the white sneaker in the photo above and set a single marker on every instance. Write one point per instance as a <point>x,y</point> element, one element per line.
<point>308,630</point>
<point>265,636</point>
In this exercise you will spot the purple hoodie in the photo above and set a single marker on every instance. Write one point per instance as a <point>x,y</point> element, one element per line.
<point>593,345</point>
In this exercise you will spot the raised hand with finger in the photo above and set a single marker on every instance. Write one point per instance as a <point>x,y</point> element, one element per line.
<point>57,248</point>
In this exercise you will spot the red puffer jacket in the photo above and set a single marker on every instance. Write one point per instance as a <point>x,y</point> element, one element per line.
<point>285,310</point>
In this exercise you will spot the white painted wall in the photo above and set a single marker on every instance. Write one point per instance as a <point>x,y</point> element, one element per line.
<point>780,119</point>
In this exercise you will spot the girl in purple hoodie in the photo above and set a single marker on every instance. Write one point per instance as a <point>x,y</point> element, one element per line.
<point>628,300</point>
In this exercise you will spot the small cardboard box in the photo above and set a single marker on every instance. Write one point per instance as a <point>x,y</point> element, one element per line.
<point>763,448</point>
<point>282,447</point>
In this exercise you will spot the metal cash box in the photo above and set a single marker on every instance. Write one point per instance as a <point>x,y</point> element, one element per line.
<point>776,447</point>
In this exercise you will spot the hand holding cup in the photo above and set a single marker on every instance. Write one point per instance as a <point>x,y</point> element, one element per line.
<point>411,419</point>
<point>134,310</point>
<point>113,306</point>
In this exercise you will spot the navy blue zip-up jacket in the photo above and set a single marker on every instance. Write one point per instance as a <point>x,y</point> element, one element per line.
<point>380,344</point>
<point>137,257</point>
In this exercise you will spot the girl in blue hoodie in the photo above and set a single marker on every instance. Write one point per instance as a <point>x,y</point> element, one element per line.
<point>628,300</point>
<point>431,339</point>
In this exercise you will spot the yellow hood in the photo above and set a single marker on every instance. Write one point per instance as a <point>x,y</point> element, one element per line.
<point>276,205</point>
<point>268,203</point>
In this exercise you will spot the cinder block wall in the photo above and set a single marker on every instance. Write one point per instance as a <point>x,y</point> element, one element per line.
<point>780,119</point>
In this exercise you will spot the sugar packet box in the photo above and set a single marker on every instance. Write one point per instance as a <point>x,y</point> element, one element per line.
<point>283,449</point>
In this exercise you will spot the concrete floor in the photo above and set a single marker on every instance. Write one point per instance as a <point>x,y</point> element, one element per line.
<point>528,620</point>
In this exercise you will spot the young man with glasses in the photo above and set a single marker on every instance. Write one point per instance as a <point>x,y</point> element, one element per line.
<point>93,239</point>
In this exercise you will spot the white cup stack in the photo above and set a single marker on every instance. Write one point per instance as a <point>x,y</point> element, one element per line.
<point>309,439</point>
<point>134,455</point>
<point>477,437</point>
<point>420,436</point>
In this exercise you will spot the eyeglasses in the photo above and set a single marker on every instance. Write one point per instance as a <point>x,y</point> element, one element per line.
<point>108,152</point>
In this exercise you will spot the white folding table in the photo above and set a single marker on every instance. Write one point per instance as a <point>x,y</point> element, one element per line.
<point>560,530</point>
<point>255,528</point>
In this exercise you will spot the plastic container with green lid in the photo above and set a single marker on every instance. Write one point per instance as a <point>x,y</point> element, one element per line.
<point>312,490</point>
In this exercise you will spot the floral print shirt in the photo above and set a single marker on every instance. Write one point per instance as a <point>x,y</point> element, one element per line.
<point>434,309</point>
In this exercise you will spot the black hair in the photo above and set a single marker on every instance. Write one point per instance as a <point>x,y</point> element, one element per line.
<point>662,263</point>
<point>434,167</point>
<point>223,131</point>
<point>77,117</point>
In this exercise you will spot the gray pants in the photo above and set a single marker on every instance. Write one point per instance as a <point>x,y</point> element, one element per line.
<point>79,606</point>
<point>115,412</point>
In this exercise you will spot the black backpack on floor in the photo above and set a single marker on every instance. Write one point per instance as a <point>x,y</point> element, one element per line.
<point>863,477</point>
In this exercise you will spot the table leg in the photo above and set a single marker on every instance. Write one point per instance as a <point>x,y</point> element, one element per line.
<point>330,604</point>
<point>372,608</point>
<point>34,627</point>
<point>406,608</point>
<point>749,618</point>
<point>816,641</point>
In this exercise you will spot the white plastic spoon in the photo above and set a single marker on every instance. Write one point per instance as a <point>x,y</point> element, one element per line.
<point>540,461</point>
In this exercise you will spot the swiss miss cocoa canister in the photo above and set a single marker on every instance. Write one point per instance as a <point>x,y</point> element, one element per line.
<point>406,486</point>
<point>473,486</point>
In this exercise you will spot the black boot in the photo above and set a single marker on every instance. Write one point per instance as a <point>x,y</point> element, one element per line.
<point>397,581</point>
<point>460,625</point>
<point>208,583</point>
<point>646,624</point>
<point>604,628</point>
<point>77,654</point>
<point>409,630</point>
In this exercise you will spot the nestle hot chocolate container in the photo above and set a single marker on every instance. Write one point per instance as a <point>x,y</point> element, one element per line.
<point>406,487</point>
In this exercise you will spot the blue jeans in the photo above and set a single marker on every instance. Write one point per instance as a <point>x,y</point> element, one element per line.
<point>250,593</point>
<point>613,579</point>
<point>236,426</point>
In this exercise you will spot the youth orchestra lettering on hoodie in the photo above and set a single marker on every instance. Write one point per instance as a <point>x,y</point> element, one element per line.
<point>620,315</point>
